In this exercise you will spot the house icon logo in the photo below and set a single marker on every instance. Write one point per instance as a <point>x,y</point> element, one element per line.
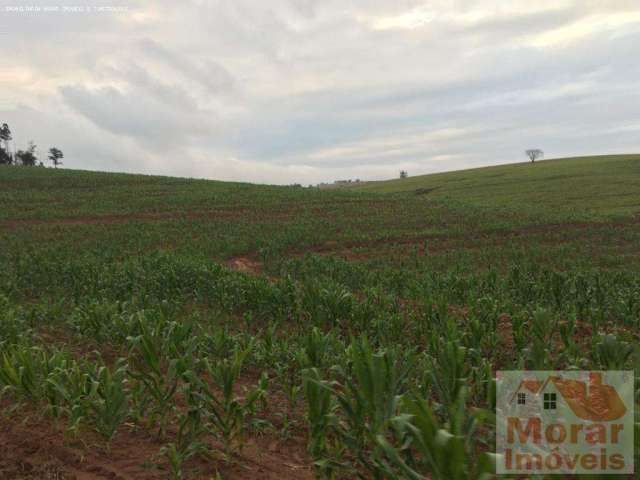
<point>589,401</point>
<point>565,422</point>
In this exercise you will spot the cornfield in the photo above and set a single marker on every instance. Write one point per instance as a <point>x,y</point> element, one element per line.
<point>368,337</point>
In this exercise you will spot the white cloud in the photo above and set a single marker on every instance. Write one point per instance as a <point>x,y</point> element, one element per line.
<point>611,23</point>
<point>416,144</point>
<point>416,18</point>
<point>303,91</point>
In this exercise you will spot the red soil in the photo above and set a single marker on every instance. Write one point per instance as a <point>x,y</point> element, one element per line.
<point>34,447</point>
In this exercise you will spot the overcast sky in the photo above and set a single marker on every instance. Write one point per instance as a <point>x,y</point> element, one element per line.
<point>283,91</point>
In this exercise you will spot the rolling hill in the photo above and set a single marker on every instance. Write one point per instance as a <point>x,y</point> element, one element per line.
<point>156,327</point>
<point>606,185</point>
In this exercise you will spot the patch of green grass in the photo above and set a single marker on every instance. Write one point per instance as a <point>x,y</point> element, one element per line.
<point>570,188</point>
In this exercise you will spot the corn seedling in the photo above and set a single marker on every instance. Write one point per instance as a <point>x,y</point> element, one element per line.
<point>322,420</point>
<point>188,442</point>
<point>432,450</point>
<point>225,411</point>
<point>109,402</point>
<point>368,399</point>
<point>447,371</point>
<point>70,390</point>
<point>159,358</point>
<point>23,370</point>
<point>612,353</point>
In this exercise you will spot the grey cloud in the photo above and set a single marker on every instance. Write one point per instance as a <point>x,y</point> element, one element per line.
<point>312,90</point>
<point>135,115</point>
<point>210,74</point>
<point>172,95</point>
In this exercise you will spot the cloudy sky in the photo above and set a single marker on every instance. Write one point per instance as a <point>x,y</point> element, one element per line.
<point>283,91</point>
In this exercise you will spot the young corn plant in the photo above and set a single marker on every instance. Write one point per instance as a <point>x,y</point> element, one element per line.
<point>95,319</point>
<point>368,400</point>
<point>23,370</point>
<point>434,451</point>
<point>53,390</point>
<point>611,353</point>
<point>543,326</point>
<point>14,328</point>
<point>328,304</point>
<point>188,441</point>
<point>520,332</point>
<point>159,358</point>
<point>218,344</point>
<point>62,383</point>
<point>226,412</point>
<point>153,389</point>
<point>321,418</point>
<point>315,349</point>
<point>572,352</point>
<point>267,351</point>
<point>109,401</point>
<point>70,390</point>
<point>447,371</point>
<point>289,379</point>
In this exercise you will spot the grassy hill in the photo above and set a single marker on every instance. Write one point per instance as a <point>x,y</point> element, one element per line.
<point>548,208</point>
<point>134,309</point>
<point>555,203</point>
<point>606,186</point>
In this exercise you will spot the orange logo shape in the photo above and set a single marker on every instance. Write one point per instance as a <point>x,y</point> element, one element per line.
<point>597,402</point>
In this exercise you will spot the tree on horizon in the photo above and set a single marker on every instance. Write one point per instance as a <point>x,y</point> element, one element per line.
<point>534,154</point>
<point>55,156</point>
<point>5,136</point>
<point>27,157</point>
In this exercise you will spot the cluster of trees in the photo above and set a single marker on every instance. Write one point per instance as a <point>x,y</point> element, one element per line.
<point>28,157</point>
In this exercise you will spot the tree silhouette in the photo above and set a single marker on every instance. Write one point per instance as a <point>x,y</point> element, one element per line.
<point>56,156</point>
<point>534,154</point>
<point>5,136</point>
<point>27,157</point>
<point>5,133</point>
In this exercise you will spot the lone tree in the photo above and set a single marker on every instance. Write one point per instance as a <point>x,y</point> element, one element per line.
<point>5,136</point>
<point>403,174</point>
<point>534,154</point>
<point>27,157</point>
<point>56,156</point>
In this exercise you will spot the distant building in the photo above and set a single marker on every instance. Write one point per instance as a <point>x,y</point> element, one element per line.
<point>338,183</point>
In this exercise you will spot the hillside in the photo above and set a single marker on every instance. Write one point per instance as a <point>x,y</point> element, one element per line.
<point>156,327</point>
<point>598,186</point>
<point>555,203</point>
